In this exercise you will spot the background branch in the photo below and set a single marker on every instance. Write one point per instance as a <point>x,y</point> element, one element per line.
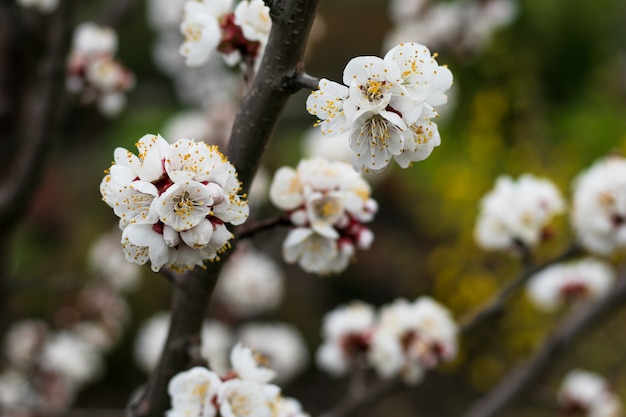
<point>572,327</point>
<point>495,307</point>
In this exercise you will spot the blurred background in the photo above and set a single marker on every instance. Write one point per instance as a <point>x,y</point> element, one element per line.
<point>542,91</point>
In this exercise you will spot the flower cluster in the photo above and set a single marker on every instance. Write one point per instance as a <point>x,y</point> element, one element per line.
<point>598,212</point>
<point>326,202</point>
<point>244,391</point>
<point>587,393</point>
<point>465,27</point>
<point>586,278</point>
<point>210,25</point>
<point>517,212</point>
<point>93,74</point>
<point>403,339</point>
<point>173,202</point>
<point>385,105</point>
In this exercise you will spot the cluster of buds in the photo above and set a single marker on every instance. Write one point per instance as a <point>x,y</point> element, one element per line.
<point>93,73</point>
<point>401,339</point>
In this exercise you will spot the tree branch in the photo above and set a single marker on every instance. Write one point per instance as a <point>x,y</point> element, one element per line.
<point>576,323</point>
<point>16,189</point>
<point>274,83</point>
<point>495,306</point>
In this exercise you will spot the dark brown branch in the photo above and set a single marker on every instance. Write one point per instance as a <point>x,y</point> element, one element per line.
<point>274,83</point>
<point>572,327</point>
<point>28,128</point>
<point>16,189</point>
<point>495,306</point>
<point>188,313</point>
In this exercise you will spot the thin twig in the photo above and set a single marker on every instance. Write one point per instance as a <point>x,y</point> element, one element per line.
<point>495,306</point>
<point>305,80</point>
<point>571,328</point>
<point>248,230</point>
<point>350,404</point>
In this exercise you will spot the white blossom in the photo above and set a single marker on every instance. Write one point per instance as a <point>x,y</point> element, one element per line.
<point>250,365</point>
<point>589,393</point>
<point>253,16</point>
<point>246,398</point>
<point>586,278</point>
<point>385,106</point>
<point>192,393</point>
<point>517,212</point>
<point>173,202</point>
<point>71,357</point>
<point>251,283</point>
<point>23,341</point>
<point>289,407</point>
<point>327,202</point>
<point>281,344</point>
<point>598,212</point>
<point>202,32</point>
<point>346,336</point>
<point>91,38</point>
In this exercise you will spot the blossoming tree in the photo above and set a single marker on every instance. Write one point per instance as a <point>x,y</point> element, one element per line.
<point>186,206</point>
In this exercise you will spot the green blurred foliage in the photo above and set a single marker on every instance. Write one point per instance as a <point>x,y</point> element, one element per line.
<point>547,96</point>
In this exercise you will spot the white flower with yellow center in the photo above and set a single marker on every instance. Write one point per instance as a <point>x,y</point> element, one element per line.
<point>193,392</point>
<point>327,202</point>
<point>254,19</point>
<point>246,398</point>
<point>202,33</point>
